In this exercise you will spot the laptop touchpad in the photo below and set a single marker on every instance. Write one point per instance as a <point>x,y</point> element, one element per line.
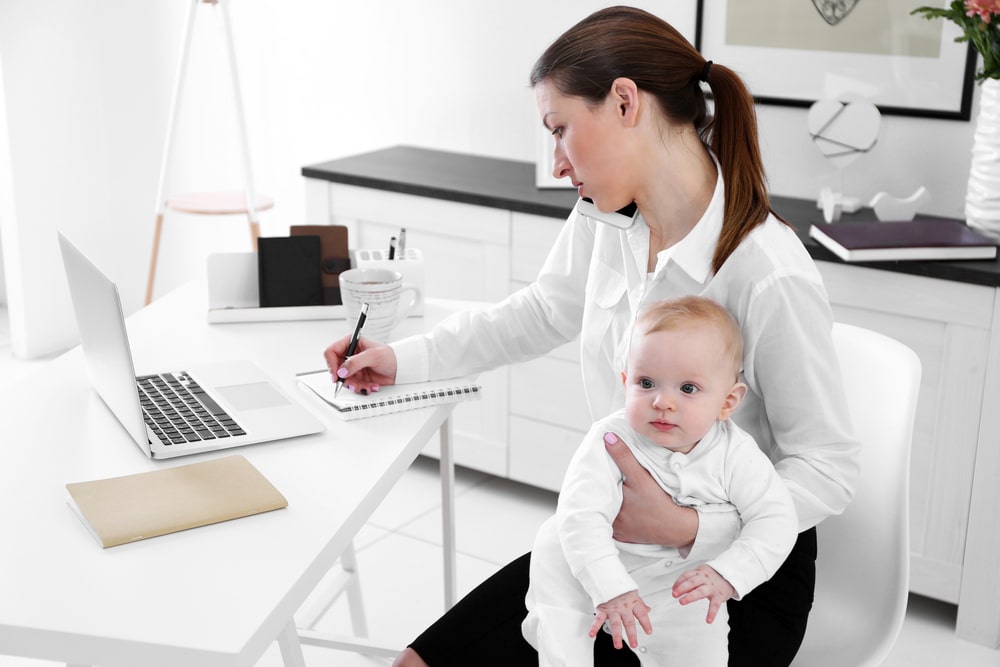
<point>252,396</point>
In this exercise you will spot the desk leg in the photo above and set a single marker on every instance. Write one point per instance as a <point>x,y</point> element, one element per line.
<point>448,513</point>
<point>291,649</point>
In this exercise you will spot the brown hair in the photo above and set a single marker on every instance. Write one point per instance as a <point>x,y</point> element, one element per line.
<point>631,43</point>
<point>674,314</point>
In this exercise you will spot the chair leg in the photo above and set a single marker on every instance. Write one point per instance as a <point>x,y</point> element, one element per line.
<point>152,260</point>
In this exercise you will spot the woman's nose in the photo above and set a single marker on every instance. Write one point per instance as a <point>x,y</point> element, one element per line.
<point>560,165</point>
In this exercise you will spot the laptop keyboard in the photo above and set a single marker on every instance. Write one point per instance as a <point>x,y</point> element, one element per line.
<point>178,410</point>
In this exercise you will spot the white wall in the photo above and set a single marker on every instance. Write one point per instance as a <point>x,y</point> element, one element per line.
<point>82,91</point>
<point>87,85</point>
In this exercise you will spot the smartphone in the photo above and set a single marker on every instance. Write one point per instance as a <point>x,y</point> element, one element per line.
<point>623,218</point>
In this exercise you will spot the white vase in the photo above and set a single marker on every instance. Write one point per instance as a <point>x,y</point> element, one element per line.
<point>982,200</point>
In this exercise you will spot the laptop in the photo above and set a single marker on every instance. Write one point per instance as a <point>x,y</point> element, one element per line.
<point>198,409</point>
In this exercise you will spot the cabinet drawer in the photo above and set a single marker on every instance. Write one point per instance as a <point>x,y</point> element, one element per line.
<point>531,238</point>
<point>540,453</point>
<point>549,390</point>
<point>476,223</point>
<point>454,266</point>
<point>908,296</point>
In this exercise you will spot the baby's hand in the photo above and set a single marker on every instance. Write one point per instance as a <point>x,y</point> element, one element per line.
<point>704,583</point>
<point>619,612</point>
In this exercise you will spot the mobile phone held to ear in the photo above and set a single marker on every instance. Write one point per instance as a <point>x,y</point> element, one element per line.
<point>623,218</point>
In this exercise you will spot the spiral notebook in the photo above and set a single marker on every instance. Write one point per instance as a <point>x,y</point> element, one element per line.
<point>391,398</point>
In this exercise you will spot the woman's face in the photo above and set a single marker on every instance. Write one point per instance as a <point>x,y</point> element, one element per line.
<point>587,145</point>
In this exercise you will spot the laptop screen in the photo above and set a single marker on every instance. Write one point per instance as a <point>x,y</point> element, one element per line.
<point>104,340</point>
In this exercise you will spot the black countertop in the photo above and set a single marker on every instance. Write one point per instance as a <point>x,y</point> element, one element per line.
<point>510,185</point>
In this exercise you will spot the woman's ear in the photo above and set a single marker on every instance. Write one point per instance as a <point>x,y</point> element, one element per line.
<point>733,399</point>
<point>625,95</point>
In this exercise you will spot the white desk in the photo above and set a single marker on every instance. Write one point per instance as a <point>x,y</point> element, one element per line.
<point>217,595</point>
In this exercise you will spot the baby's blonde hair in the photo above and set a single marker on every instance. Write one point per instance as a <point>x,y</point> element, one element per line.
<point>674,314</point>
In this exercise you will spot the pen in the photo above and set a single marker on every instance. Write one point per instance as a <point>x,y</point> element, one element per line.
<point>392,248</point>
<point>362,316</point>
<point>401,244</point>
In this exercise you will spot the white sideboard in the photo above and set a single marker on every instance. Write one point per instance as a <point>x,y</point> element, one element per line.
<point>479,254</point>
<point>526,431</point>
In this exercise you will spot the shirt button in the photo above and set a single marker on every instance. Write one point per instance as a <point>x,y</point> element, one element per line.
<point>668,563</point>
<point>642,649</point>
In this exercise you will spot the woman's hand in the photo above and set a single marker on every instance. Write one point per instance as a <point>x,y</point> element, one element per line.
<point>648,514</point>
<point>704,583</point>
<point>371,366</point>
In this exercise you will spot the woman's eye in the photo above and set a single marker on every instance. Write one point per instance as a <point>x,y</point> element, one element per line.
<point>557,132</point>
<point>689,388</point>
<point>646,383</point>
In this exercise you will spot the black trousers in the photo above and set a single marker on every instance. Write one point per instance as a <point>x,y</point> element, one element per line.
<point>484,629</point>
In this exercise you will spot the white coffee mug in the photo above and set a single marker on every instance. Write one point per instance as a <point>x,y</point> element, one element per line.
<point>383,290</point>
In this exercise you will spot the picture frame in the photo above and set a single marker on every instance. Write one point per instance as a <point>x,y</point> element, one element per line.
<point>904,64</point>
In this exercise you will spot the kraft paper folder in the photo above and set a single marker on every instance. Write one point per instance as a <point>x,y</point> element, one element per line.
<point>125,509</point>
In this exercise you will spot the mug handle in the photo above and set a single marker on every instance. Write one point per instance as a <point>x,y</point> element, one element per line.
<point>416,299</point>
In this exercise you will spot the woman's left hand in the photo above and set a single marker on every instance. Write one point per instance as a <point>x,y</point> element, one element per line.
<point>648,514</point>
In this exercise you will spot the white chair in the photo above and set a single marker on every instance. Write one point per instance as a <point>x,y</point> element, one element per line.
<point>862,574</point>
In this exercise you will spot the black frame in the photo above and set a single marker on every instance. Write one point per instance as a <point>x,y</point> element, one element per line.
<point>963,113</point>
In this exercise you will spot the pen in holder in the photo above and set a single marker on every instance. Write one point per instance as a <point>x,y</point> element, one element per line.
<point>410,264</point>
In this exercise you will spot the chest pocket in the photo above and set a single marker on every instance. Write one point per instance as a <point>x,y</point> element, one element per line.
<point>606,319</point>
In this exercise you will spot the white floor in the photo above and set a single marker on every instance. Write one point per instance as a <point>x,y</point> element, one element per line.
<point>399,554</point>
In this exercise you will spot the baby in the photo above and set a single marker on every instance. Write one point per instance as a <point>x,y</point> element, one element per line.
<point>681,386</point>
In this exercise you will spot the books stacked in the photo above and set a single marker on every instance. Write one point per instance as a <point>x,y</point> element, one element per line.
<point>929,239</point>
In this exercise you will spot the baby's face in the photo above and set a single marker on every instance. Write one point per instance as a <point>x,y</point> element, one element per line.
<point>678,383</point>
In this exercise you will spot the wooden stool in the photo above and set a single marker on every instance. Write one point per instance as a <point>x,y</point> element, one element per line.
<point>247,202</point>
<point>207,203</point>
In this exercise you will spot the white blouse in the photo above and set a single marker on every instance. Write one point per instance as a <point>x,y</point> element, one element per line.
<point>594,284</point>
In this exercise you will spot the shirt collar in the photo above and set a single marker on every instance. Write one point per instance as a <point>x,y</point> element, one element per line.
<point>693,254</point>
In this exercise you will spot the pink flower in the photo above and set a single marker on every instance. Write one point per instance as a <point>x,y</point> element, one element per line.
<point>985,9</point>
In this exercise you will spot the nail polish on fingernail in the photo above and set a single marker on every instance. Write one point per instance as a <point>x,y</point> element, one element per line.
<point>341,372</point>
<point>375,388</point>
<point>610,438</point>
<point>364,392</point>
<point>350,387</point>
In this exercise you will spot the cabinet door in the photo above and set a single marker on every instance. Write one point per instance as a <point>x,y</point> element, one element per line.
<point>548,416</point>
<point>948,325</point>
<point>466,252</point>
<point>548,408</point>
<point>531,238</point>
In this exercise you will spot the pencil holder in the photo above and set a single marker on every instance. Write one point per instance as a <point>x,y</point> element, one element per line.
<point>410,264</point>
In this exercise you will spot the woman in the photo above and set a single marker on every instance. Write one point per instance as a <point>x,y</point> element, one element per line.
<point>621,92</point>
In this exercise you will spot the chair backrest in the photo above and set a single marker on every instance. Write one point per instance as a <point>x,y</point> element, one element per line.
<point>862,572</point>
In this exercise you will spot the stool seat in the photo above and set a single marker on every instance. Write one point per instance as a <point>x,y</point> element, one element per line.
<point>217,203</point>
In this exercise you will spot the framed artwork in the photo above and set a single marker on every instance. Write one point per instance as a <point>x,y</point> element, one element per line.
<point>794,52</point>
